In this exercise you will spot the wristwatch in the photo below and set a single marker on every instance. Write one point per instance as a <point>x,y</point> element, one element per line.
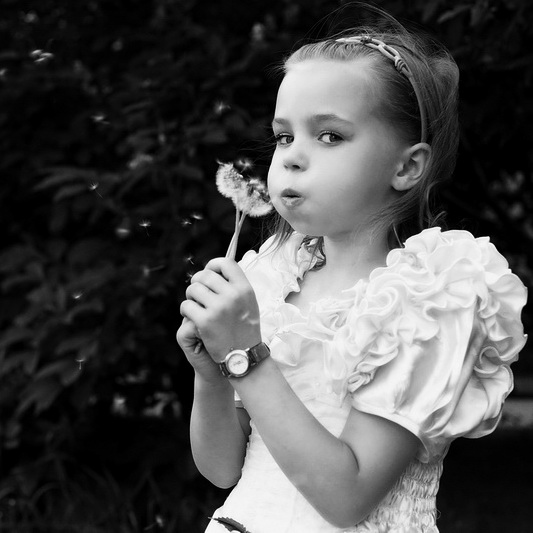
<point>238,363</point>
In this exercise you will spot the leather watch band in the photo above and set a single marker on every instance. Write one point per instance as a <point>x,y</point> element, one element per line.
<point>258,353</point>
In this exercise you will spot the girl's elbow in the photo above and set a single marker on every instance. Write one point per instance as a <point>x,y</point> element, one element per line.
<point>348,517</point>
<point>222,481</point>
<point>225,483</point>
<point>348,522</point>
<point>223,478</point>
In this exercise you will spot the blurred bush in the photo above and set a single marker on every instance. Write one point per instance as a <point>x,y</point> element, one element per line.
<point>113,115</point>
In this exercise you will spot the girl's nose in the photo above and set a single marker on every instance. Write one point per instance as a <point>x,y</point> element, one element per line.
<point>295,158</point>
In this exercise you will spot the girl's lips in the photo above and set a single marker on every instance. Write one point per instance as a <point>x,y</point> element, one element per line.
<point>292,201</point>
<point>291,198</point>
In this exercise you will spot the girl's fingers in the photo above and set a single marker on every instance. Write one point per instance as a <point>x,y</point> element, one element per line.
<point>191,310</point>
<point>227,268</point>
<point>212,280</point>
<point>199,293</point>
<point>187,335</point>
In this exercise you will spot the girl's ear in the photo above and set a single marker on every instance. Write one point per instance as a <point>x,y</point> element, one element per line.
<point>413,164</point>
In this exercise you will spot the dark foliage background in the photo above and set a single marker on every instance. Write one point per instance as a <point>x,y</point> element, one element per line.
<point>112,115</point>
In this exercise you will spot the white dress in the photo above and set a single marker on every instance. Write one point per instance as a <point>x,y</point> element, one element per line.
<point>395,346</point>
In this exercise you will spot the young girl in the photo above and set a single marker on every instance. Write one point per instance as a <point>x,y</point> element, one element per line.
<point>355,360</point>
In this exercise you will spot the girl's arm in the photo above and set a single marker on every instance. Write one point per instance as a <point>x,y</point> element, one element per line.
<point>217,439</point>
<point>343,478</point>
<point>219,431</point>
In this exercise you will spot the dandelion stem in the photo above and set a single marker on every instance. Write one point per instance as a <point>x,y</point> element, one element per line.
<point>239,220</point>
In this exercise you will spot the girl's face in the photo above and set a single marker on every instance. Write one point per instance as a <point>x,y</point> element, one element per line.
<point>335,159</point>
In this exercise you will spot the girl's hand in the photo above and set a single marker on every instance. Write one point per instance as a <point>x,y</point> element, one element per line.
<point>222,305</point>
<point>204,366</point>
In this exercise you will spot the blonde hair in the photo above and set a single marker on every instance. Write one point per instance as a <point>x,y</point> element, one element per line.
<point>436,76</point>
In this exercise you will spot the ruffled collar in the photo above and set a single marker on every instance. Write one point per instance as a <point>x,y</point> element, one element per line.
<point>290,266</point>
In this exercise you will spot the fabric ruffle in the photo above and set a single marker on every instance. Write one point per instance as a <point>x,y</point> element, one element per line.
<point>424,306</point>
<point>398,340</point>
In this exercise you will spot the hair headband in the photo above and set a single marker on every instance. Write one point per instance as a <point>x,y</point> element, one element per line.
<point>400,65</point>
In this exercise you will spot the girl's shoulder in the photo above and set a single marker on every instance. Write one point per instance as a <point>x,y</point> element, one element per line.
<point>453,261</point>
<point>438,251</point>
<point>440,277</point>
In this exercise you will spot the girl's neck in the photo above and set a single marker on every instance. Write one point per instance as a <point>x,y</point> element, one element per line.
<point>354,256</point>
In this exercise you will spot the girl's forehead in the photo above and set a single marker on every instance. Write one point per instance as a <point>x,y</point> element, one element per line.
<point>360,68</point>
<point>318,82</point>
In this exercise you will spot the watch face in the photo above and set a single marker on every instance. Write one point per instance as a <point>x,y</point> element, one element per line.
<point>238,363</point>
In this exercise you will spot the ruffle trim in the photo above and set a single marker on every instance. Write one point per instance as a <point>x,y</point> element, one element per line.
<point>436,272</point>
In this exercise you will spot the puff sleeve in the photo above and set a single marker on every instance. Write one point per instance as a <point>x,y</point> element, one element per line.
<point>409,339</point>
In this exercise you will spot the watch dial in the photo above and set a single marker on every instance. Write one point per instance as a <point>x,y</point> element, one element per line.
<point>238,364</point>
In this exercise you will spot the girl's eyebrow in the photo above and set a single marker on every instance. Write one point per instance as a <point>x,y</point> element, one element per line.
<point>315,120</point>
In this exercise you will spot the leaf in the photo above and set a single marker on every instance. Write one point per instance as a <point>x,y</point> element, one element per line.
<point>72,344</point>
<point>15,281</point>
<point>70,190</point>
<point>16,257</point>
<point>28,359</point>
<point>40,393</point>
<point>231,525</point>
<point>63,175</point>
<point>429,10</point>
<point>14,335</point>
<point>215,136</point>
<point>94,306</point>
<point>452,13</point>
<point>189,172</point>
<point>86,250</point>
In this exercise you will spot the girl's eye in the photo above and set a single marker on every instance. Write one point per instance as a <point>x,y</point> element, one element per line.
<point>283,138</point>
<point>329,137</point>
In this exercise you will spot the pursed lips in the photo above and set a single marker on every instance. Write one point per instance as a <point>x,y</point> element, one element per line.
<point>291,198</point>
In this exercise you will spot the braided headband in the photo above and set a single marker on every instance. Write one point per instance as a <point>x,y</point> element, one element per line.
<point>400,65</point>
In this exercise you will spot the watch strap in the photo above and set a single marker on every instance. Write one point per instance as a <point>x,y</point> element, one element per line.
<point>258,353</point>
<point>255,355</point>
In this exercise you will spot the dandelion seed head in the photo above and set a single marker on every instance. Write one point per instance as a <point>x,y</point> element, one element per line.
<point>197,216</point>
<point>145,223</point>
<point>258,203</point>
<point>230,183</point>
<point>93,185</point>
<point>249,196</point>
<point>77,295</point>
<point>185,222</point>
<point>244,164</point>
